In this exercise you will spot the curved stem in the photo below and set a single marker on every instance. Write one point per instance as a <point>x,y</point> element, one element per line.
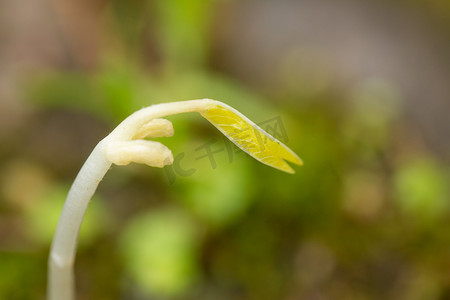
<point>128,128</point>
<point>63,249</point>
<point>62,253</point>
<point>124,145</point>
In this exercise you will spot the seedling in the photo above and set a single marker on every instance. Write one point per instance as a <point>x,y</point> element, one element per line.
<point>126,144</point>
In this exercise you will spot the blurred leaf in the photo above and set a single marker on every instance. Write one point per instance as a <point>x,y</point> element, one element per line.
<point>130,19</point>
<point>367,126</point>
<point>160,251</point>
<point>119,86</point>
<point>21,276</point>
<point>219,194</point>
<point>422,189</point>
<point>64,89</point>
<point>43,216</point>
<point>184,27</point>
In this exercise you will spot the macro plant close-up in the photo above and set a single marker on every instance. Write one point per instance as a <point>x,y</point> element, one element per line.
<point>124,145</point>
<point>114,184</point>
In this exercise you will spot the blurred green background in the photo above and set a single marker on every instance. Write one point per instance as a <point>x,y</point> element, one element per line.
<point>359,89</point>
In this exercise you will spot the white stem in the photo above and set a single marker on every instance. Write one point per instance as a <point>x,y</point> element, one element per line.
<point>63,249</point>
<point>62,254</point>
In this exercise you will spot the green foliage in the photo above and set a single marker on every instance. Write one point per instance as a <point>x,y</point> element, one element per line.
<point>50,205</point>
<point>160,251</point>
<point>19,275</point>
<point>218,197</point>
<point>184,31</point>
<point>422,189</point>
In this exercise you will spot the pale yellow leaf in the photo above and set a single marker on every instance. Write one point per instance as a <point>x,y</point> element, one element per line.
<point>250,137</point>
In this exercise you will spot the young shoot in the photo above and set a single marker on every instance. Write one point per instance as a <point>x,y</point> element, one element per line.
<point>126,144</point>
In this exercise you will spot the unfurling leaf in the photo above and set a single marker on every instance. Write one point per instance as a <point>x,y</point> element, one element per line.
<point>250,137</point>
